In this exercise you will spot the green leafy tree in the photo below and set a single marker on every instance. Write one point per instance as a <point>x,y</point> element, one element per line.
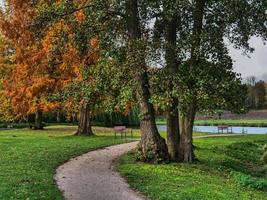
<point>260,93</point>
<point>194,34</point>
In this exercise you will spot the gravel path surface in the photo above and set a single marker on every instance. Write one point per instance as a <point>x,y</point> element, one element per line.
<point>91,176</point>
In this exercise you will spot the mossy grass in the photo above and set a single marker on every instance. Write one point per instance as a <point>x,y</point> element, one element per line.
<point>228,168</point>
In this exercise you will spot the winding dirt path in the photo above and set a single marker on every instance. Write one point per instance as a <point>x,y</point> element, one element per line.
<point>92,177</point>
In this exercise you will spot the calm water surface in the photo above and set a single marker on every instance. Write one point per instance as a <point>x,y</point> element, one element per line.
<point>214,129</point>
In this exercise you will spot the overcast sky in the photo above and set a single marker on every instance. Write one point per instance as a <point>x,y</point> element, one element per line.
<point>256,65</point>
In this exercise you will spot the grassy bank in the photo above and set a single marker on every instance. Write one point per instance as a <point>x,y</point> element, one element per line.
<point>228,168</point>
<point>28,159</point>
<point>240,122</point>
<point>229,122</point>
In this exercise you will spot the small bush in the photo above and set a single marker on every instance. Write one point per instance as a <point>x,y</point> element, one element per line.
<point>263,170</point>
<point>3,126</point>
<point>137,153</point>
<point>249,181</point>
<point>244,151</point>
<point>14,125</point>
<point>148,156</point>
<point>264,157</point>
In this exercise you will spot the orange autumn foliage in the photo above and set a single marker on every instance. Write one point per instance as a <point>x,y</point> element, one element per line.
<point>6,66</point>
<point>71,71</point>
<point>31,81</point>
<point>80,17</point>
<point>45,65</point>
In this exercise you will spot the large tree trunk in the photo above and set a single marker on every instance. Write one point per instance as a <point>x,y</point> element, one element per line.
<point>84,126</point>
<point>38,122</point>
<point>186,121</point>
<point>58,115</point>
<point>173,132</point>
<point>188,116</point>
<point>172,64</point>
<point>152,146</point>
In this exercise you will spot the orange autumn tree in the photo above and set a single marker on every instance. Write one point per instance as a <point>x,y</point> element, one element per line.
<point>74,52</point>
<point>33,78</point>
<point>56,48</point>
<point>6,66</point>
<point>80,89</point>
<point>87,79</point>
<point>90,81</point>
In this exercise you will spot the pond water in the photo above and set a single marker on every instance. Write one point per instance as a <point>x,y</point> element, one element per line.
<point>214,129</point>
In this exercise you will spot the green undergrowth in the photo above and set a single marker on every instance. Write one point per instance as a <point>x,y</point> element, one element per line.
<point>228,168</point>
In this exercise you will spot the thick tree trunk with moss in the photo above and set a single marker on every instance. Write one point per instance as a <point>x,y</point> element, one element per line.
<point>173,133</point>
<point>84,125</point>
<point>38,122</point>
<point>186,121</point>
<point>172,64</point>
<point>152,147</point>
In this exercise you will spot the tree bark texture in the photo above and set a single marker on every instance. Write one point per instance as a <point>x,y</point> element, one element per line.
<point>172,64</point>
<point>84,125</point>
<point>173,132</point>
<point>188,117</point>
<point>152,147</point>
<point>38,122</point>
<point>186,121</point>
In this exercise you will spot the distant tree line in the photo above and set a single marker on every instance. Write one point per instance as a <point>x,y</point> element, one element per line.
<point>107,119</point>
<point>256,98</point>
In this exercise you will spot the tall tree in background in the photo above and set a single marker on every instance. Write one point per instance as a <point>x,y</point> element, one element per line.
<point>53,51</point>
<point>260,89</point>
<point>6,67</point>
<point>73,47</point>
<point>33,78</point>
<point>89,76</point>
<point>250,82</point>
<point>256,98</point>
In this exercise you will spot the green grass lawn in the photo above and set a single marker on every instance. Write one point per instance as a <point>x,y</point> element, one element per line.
<point>229,168</point>
<point>28,159</point>
<point>230,122</point>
